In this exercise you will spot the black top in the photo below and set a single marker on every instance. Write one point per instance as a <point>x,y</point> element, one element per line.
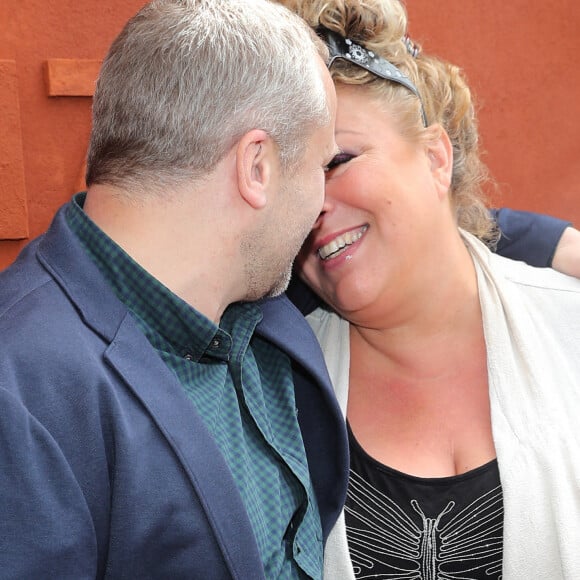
<point>406,527</point>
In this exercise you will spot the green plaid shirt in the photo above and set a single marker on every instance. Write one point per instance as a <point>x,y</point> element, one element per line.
<point>242,387</point>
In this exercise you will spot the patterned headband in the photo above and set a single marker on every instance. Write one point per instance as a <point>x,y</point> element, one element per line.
<point>412,48</point>
<point>344,48</point>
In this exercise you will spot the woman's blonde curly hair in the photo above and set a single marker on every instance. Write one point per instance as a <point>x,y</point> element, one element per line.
<point>381,26</point>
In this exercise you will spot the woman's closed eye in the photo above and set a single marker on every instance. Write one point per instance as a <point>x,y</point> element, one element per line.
<point>337,160</point>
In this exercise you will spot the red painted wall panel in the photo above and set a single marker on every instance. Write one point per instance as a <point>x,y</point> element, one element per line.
<point>54,129</point>
<point>13,206</point>
<point>520,57</point>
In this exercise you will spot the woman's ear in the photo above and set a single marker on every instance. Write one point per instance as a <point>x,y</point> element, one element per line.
<point>256,155</point>
<point>440,154</point>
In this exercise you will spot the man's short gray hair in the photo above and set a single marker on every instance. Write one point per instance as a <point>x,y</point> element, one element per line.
<point>185,79</point>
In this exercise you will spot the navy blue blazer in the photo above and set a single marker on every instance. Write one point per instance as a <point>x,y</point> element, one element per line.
<point>106,469</point>
<point>528,237</point>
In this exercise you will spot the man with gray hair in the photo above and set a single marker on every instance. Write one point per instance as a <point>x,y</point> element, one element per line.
<point>166,412</point>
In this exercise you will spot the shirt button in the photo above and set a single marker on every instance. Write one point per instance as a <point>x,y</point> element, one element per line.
<point>188,357</point>
<point>215,343</point>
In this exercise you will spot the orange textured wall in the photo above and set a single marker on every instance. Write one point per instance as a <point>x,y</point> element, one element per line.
<point>520,57</point>
<point>46,158</point>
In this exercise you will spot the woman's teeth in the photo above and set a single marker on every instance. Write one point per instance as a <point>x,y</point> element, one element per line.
<point>340,243</point>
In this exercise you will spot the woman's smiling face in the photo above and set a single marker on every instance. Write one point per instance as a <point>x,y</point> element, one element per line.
<point>381,194</point>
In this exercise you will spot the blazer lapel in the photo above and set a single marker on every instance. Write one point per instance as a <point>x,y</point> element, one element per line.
<point>170,409</point>
<point>321,420</point>
<point>286,327</point>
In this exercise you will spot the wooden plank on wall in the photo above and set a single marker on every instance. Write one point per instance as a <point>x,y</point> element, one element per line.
<point>13,205</point>
<point>67,77</point>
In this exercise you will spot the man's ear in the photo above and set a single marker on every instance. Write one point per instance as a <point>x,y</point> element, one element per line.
<point>440,153</point>
<point>256,157</point>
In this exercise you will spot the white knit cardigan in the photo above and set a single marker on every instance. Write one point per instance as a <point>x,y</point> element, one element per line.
<point>531,319</point>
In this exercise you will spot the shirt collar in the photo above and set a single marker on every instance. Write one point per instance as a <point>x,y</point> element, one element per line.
<point>167,320</point>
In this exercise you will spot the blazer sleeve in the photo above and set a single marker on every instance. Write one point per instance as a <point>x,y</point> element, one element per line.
<point>46,529</point>
<point>301,296</point>
<point>527,236</point>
